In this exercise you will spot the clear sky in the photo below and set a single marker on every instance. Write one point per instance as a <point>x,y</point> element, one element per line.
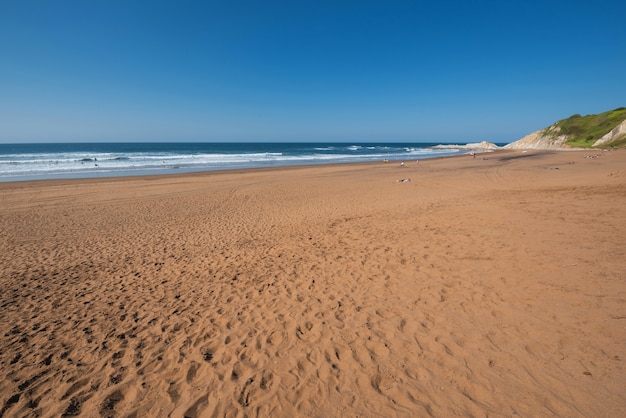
<point>414,71</point>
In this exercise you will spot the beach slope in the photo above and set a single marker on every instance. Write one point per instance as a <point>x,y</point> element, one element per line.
<point>488,286</point>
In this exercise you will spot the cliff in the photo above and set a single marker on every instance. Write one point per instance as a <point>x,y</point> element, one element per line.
<point>601,130</point>
<point>547,138</point>
<point>615,137</point>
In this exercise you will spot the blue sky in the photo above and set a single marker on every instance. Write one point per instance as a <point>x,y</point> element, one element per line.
<point>410,71</point>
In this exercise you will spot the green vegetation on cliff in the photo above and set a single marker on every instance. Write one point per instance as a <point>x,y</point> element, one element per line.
<point>619,142</point>
<point>583,131</point>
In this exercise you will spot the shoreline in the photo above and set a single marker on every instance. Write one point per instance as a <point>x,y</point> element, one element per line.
<point>488,285</point>
<point>58,161</point>
<point>247,170</point>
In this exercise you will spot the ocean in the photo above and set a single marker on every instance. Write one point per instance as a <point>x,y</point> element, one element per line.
<point>87,160</point>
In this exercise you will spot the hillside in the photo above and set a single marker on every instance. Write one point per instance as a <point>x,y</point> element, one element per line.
<point>603,130</point>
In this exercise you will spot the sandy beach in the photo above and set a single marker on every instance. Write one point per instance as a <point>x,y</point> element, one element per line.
<point>488,286</point>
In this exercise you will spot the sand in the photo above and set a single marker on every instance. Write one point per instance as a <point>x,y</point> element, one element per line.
<point>493,286</point>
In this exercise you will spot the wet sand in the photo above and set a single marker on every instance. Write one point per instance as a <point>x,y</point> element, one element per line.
<point>493,286</point>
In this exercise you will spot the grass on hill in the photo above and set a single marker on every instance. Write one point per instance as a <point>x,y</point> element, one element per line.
<point>583,131</point>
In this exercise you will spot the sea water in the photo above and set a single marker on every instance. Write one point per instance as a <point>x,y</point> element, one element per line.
<point>86,160</point>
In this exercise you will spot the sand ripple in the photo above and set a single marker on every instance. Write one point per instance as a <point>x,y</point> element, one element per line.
<point>482,288</point>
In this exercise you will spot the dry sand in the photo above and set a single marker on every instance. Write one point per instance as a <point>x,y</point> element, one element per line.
<point>493,286</point>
